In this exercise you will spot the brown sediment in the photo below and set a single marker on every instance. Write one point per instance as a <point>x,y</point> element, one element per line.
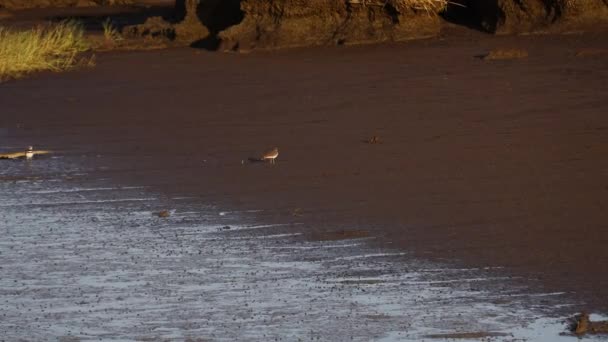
<point>501,53</point>
<point>483,164</point>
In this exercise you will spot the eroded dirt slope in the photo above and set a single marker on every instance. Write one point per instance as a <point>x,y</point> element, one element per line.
<point>322,22</point>
<point>510,16</point>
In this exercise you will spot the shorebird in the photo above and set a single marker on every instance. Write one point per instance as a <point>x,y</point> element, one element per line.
<point>271,155</point>
<point>29,153</point>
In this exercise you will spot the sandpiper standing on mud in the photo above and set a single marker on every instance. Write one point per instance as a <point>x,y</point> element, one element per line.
<point>271,155</point>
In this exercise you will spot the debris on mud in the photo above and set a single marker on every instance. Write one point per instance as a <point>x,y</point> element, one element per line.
<point>15,179</point>
<point>374,140</point>
<point>190,29</point>
<point>164,214</point>
<point>152,28</point>
<point>500,54</point>
<point>340,235</point>
<point>582,324</point>
<point>591,52</point>
<point>467,335</point>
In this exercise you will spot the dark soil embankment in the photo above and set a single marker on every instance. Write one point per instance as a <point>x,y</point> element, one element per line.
<point>510,16</point>
<point>22,4</point>
<point>300,23</point>
<point>248,24</point>
<point>242,25</point>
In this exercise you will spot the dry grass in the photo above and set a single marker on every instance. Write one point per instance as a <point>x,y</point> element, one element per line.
<point>498,54</point>
<point>53,47</point>
<point>110,32</point>
<point>426,5</point>
<point>590,52</point>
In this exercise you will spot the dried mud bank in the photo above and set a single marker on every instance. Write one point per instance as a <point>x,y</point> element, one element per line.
<point>248,24</point>
<point>510,16</point>
<point>243,25</point>
<point>321,22</point>
<point>22,4</point>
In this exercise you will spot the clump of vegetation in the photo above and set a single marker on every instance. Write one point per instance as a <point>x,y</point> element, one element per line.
<point>591,52</point>
<point>110,32</point>
<point>164,214</point>
<point>426,5</point>
<point>53,47</point>
<point>498,54</point>
<point>582,324</point>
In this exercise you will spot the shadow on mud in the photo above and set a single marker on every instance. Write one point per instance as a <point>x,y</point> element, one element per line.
<point>93,17</point>
<point>462,13</point>
<point>216,16</point>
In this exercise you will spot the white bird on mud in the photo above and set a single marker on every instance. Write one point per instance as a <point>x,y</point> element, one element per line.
<point>29,153</point>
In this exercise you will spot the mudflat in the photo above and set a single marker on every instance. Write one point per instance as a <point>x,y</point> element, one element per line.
<point>497,163</point>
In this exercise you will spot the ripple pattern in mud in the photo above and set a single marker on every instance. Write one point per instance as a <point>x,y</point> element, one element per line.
<point>84,259</point>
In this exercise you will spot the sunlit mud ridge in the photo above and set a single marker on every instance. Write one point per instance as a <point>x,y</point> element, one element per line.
<point>85,259</point>
<point>296,23</point>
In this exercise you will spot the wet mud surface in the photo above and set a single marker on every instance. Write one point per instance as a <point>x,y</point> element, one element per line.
<point>84,258</point>
<point>481,213</point>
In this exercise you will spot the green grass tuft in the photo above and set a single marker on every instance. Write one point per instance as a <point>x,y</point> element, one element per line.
<point>54,47</point>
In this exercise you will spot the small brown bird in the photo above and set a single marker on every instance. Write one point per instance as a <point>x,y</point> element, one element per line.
<point>271,155</point>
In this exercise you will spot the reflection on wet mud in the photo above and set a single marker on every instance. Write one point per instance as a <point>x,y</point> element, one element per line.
<point>87,259</point>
